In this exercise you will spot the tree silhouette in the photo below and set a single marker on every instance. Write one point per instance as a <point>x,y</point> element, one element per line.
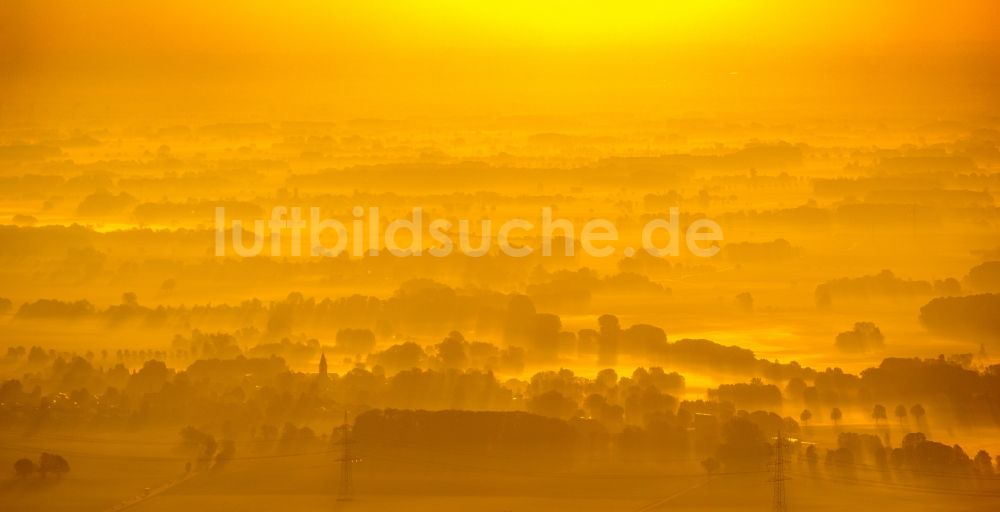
<point>805,416</point>
<point>23,468</point>
<point>983,463</point>
<point>225,454</point>
<point>901,413</point>
<point>711,465</point>
<point>878,413</point>
<point>744,301</point>
<point>836,415</point>
<point>917,411</point>
<point>812,456</point>
<point>607,342</point>
<point>744,445</point>
<point>864,337</point>
<point>52,463</point>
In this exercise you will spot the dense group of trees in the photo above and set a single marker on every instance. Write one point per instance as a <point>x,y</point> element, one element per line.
<point>48,464</point>
<point>408,393</point>
<point>884,285</point>
<point>973,316</point>
<point>865,336</point>
<point>64,388</point>
<point>419,305</point>
<point>734,442</point>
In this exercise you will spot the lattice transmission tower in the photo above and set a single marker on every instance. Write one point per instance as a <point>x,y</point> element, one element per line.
<point>347,459</point>
<point>778,478</point>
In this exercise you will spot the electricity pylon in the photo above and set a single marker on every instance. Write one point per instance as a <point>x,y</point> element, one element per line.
<point>347,460</point>
<point>778,477</point>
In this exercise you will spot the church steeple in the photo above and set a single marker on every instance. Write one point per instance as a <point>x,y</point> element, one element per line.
<point>322,365</point>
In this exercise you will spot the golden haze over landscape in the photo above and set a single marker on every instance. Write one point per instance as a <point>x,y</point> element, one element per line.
<point>499,256</point>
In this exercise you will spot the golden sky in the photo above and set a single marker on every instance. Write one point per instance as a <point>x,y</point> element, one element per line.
<point>454,57</point>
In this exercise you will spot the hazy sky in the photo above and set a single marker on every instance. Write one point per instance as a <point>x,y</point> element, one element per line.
<point>400,59</point>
